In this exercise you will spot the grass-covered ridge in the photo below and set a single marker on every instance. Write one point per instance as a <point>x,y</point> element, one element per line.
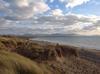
<point>36,50</point>
<point>24,56</point>
<point>11,63</point>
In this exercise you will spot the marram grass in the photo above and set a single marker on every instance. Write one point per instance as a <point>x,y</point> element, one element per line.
<point>11,63</point>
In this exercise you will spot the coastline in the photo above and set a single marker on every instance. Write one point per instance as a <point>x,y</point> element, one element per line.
<point>65,59</point>
<point>54,43</point>
<point>83,42</point>
<point>87,53</point>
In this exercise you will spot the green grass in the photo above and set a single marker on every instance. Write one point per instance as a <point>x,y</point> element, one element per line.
<point>11,63</point>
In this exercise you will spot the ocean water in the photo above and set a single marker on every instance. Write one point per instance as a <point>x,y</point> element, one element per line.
<point>79,41</point>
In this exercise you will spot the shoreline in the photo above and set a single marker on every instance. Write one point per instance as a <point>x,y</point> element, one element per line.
<point>83,42</point>
<point>54,43</point>
<point>85,53</point>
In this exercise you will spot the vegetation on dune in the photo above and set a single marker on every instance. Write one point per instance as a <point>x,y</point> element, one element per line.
<point>36,51</point>
<point>23,56</point>
<point>11,63</point>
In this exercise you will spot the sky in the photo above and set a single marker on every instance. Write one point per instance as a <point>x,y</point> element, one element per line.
<point>50,17</point>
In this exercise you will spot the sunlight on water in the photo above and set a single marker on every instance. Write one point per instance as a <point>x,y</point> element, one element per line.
<point>81,41</point>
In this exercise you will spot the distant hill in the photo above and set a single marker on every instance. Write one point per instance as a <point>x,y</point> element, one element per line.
<point>48,35</point>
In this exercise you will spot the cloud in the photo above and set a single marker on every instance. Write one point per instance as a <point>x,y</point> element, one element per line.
<point>40,7</point>
<point>16,16</point>
<point>6,23</point>
<point>19,3</point>
<point>74,3</point>
<point>68,24</point>
<point>71,23</point>
<point>57,12</point>
<point>23,9</point>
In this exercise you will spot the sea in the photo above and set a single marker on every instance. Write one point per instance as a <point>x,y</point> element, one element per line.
<point>79,41</point>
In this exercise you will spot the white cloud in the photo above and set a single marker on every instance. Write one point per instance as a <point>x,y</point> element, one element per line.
<point>24,9</point>
<point>40,7</point>
<point>73,3</point>
<point>20,3</point>
<point>57,23</point>
<point>57,12</point>
<point>71,23</point>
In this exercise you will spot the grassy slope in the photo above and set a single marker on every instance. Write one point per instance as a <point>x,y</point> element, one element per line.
<point>42,59</point>
<point>11,63</point>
